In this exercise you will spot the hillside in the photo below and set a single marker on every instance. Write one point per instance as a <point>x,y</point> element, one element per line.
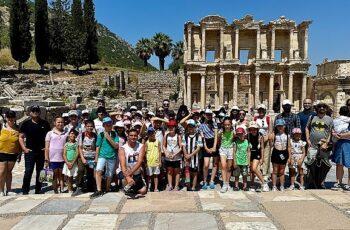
<point>113,50</point>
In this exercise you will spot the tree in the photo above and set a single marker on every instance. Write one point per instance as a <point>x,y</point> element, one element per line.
<point>42,41</point>
<point>20,37</point>
<point>76,52</point>
<point>162,47</point>
<point>177,50</point>
<point>91,32</point>
<point>58,30</point>
<point>144,49</point>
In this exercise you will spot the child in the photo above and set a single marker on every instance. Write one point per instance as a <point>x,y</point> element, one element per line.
<point>172,149</point>
<point>297,158</point>
<point>119,127</point>
<point>241,156</point>
<point>70,156</point>
<point>280,154</point>
<point>54,146</point>
<point>226,138</point>
<point>153,157</point>
<point>256,141</point>
<point>342,122</point>
<point>193,144</point>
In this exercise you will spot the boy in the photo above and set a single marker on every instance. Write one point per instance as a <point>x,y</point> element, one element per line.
<point>241,156</point>
<point>153,157</point>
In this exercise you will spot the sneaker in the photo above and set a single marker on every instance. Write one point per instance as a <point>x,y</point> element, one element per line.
<point>156,190</point>
<point>77,192</point>
<point>2,194</point>
<point>291,188</point>
<point>265,188</point>
<point>252,189</point>
<point>236,189</point>
<point>176,188</point>
<point>282,188</point>
<point>168,188</point>
<point>346,188</point>
<point>96,194</point>
<point>224,188</point>
<point>302,188</point>
<point>205,186</point>
<point>274,189</point>
<point>336,187</point>
<point>211,185</point>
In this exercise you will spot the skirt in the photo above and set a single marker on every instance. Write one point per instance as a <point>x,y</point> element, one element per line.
<point>341,155</point>
<point>70,172</point>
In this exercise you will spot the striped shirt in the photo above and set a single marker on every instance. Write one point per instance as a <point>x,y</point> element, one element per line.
<point>192,142</point>
<point>208,132</point>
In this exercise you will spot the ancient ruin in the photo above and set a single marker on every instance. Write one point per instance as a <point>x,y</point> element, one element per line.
<point>245,63</point>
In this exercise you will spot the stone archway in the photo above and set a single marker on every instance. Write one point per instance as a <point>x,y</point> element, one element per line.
<point>328,98</point>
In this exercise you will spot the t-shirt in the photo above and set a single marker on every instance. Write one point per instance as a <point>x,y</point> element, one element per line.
<point>57,142</point>
<point>297,147</point>
<point>242,152</point>
<point>35,134</point>
<point>192,143</point>
<point>172,146</point>
<point>320,128</point>
<point>152,154</point>
<point>9,141</point>
<point>341,124</point>
<point>304,117</point>
<point>89,146</point>
<point>107,151</point>
<point>71,149</point>
<point>132,156</point>
<point>98,126</point>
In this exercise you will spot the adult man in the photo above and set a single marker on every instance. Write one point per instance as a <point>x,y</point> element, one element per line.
<point>100,103</point>
<point>318,133</point>
<point>73,122</point>
<point>34,132</point>
<point>292,120</point>
<point>304,116</point>
<point>131,156</point>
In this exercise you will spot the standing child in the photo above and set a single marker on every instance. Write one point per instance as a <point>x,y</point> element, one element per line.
<point>280,153</point>
<point>256,141</point>
<point>241,159</point>
<point>226,137</point>
<point>193,144</point>
<point>70,156</point>
<point>297,158</point>
<point>54,146</point>
<point>153,157</point>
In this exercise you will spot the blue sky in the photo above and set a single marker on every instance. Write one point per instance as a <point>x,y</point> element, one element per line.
<point>328,35</point>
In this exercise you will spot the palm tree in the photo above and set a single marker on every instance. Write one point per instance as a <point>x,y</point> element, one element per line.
<point>144,49</point>
<point>178,50</point>
<point>162,47</point>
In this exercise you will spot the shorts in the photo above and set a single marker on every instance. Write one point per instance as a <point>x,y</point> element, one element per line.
<point>108,163</point>
<point>255,155</point>
<point>70,172</point>
<point>4,157</point>
<point>152,170</point>
<point>210,144</point>
<point>279,157</point>
<point>240,170</point>
<point>226,152</point>
<point>56,165</point>
<point>139,182</point>
<point>172,164</point>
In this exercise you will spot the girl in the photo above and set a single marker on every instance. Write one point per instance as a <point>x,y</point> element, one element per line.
<point>297,158</point>
<point>241,158</point>
<point>280,153</point>
<point>54,146</point>
<point>226,138</point>
<point>172,149</point>
<point>242,122</point>
<point>153,158</point>
<point>70,156</point>
<point>256,141</point>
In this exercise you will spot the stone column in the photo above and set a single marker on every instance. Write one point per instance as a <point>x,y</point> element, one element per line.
<point>221,90</point>
<point>237,44</point>
<point>185,89</point>
<point>203,44</point>
<point>202,104</point>
<point>257,44</point>
<point>291,31</point>
<point>189,44</point>
<point>271,84</point>
<point>189,92</point>
<point>290,87</point>
<point>235,88</point>
<point>303,90</point>
<point>306,44</point>
<point>222,43</point>
<point>273,39</point>
<point>282,92</point>
<point>257,90</point>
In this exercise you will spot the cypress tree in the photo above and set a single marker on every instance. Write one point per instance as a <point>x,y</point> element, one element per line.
<point>41,32</point>
<point>20,37</point>
<point>91,32</point>
<point>76,52</point>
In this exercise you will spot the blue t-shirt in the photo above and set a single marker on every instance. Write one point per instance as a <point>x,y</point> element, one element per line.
<point>304,117</point>
<point>107,151</point>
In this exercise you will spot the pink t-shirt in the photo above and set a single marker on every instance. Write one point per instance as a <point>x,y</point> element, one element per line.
<point>57,142</point>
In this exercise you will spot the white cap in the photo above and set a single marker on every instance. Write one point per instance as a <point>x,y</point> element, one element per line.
<point>139,112</point>
<point>128,114</point>
<point>65,115</point>
<point>235,107</point>
<point>133,107</point>
<point>191,122</point>
<point>85,111</point>
<point>208,111</point>
<point>119,124</point>
<point>136,123</point>
<point>221,114</point>
<point>151,113</point>
<point>286,102</point>
<point>73,113</point>
<point>261,106</point>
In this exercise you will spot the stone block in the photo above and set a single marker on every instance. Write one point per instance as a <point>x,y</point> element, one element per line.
<point>61,205</point>
<point>250,225</point>
<point>106,203</point>
<point>47,222</point>
<point>134,221</point>
<point>8,222</point>
<point>20,205</point>
<point>169,221</point>
<point>4,100</point>
<point>93,222</point>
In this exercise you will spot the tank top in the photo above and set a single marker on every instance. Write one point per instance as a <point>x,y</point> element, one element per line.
<point>264,126</point>
<point>132,156</point>
<point>152,154</point>
<point>71,149</point>
<point>281,141</point>
<point>9,141</point>
<point>226,141</point>
<point>172,146</point>
<point>254,143</point>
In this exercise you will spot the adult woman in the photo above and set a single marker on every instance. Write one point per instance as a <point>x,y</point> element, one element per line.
<point>9,150</point>
<point>242,122</point>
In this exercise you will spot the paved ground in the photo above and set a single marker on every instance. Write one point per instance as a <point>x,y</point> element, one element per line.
<point>311,209</point>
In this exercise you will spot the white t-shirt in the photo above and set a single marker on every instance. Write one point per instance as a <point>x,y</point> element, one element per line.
<point>297,147</point>
<point>98,126</point>
<point>341,124</point>
<point>132,156</point>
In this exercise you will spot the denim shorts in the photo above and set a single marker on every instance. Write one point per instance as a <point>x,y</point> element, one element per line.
<point>107,164</point>
<point>226,152</point>
<point>56,165</point>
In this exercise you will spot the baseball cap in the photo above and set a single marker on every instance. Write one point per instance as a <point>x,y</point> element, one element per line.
<point>73,113</point>
<point>150,130</point>
<point>235,107</point>
<point>128,114</point>
<point>65,115</point>
<point>262,106</point>
<point>172,123</point>
<point>85,111</point>
<point>280,122</point>
<point>150,114</point>
<point>208,111</point>
<point>133,108</point>
<point>191,122</point>
<point>136,123</point>
<point>296,131</point>
<point>35,108</point>
<point>119,124</point>
<point>254,125</point>
<point>107,120</point>
<point>240,130</point>
<point>286,102</point>
<point>222,114</point>
<point>138,112</point>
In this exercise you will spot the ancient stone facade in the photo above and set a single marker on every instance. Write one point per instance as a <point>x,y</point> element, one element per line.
<point>332,83</point>
<point>245,63</point>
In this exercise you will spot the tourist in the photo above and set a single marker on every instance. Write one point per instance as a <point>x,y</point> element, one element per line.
<point>107,145</point>
<point>280,153</point>
<point>297,159</point>
<point>318,136</point>
<point>86,161</point>
<point>84,118</point>
<point>265,129</point>
<point>73,122</point>
<point>242,122</point>
<point>119,127</point>
<point>32,141</point>
<point>241,157</point>
<point>172,148</point>
<point>153,158</point>
<point>70,156</point>
<point>209,132</point>
<point>148,119</point>
<point>9,151</point>
<point>192,142</point>
<point>54,145</point>
<point>256,142</point>
<point>127,116</point>
<point>132,111</point>
<point>101,113</point>
<point>234,115</point>
<point>304,116</point>
<point>160,113</point>
<point>226,140</point>
<point>65,117</point>
<point>166,107</point>
<point>127,125</point>
<point>100,104</point>
<point>131,156</point>
<point>291,119</point>
<point>181,114</point>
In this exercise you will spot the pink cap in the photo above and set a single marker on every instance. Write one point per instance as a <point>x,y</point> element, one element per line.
<point>240,130</point>
<point>296,131</point>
